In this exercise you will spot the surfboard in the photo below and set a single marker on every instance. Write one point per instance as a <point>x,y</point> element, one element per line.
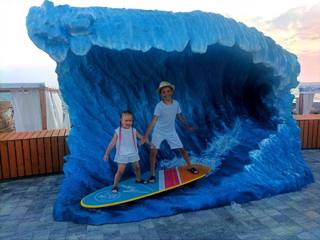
<point>129,190</point>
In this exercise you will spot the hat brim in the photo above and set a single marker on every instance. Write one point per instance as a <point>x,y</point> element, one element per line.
<point>170,86</point>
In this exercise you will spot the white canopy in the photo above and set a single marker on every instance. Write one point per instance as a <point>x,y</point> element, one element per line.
<point>36,107</point>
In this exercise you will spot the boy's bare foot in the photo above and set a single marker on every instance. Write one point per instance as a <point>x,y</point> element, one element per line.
<point>151,179</point>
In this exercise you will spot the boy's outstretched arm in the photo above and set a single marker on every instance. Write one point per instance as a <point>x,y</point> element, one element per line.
<point>111,145</point>
<point>149,129</point>
<point>184,122</point>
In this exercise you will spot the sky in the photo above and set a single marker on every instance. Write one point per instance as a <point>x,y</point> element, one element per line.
<point>294,24</point>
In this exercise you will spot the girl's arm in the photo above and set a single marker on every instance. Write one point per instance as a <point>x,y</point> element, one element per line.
<point>153,122</point>
<point>150,126</point>
<point>141,137</point>
<point>111,145</point>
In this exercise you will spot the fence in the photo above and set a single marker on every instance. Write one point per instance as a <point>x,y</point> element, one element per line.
<point>310,130</point>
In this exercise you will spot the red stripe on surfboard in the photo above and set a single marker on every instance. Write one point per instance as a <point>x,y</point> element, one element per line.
<point>170,178</point>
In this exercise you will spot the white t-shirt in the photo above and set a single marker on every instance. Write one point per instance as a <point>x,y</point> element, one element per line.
<point>128,143</point>
<point>166,117</point>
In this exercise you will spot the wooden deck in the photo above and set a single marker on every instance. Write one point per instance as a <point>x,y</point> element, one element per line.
<point>32,153</point>
<point>310,130</point>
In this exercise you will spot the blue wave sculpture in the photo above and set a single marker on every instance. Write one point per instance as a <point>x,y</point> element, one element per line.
<point>233,84</point>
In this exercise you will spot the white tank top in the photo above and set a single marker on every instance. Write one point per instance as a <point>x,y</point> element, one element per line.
<point>126,141</point>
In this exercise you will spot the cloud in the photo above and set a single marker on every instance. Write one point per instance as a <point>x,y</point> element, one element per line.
<point>292,18</point>
<point>305,20</point>
<point>297,30</point>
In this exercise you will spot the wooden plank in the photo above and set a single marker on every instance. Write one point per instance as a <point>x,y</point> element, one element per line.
<point>22,135</point>
<point>28,135</point>
<point>19,157</point>
<point>4,153</point>
<point>305,133</point>
<point>307,117</point>
<point>27,154</point>
<point>1,169</point>
<point>55,151</point>
<point>15,135</point>
<point>42,133</point>
<point>3,136</point>
<point>12,136</point>
<point>55,133</point>
<point>48,151</point>
<point>49,133</point>
<point>41,152</point>
<point>12,159</point>
<point>34,153</point>
<point>61,147</point>
<point>314,133</point>
<point>62,132</point>
<point>35,134</point>
<point>308,126</point>
<point>318,135</point>
<point>310,133</point>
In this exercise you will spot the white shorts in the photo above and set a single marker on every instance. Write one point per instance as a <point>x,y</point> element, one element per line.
<point>127,158</point>
<point>172,139</point>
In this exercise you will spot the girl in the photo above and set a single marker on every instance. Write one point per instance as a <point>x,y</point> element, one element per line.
<point>126,148</point>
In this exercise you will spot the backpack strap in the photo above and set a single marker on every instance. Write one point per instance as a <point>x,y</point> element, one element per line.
<point>120,138</point>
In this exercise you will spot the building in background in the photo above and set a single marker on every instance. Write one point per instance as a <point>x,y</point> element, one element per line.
<point>307,98</point>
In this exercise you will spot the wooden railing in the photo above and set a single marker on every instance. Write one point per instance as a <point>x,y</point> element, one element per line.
<point>310,130</point>
<point>32,153</point>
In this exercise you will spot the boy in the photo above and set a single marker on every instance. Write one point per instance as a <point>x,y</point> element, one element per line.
<point>163,121</point>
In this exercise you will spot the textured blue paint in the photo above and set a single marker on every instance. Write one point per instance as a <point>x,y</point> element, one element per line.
<point>233,84</point>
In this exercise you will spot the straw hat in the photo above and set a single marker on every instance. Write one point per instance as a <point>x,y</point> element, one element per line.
<point>165,84</point>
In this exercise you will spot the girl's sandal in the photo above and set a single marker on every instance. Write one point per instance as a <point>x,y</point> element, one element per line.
<point>151,179</point>
<point>115,189</point>
<point>193,170</point>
